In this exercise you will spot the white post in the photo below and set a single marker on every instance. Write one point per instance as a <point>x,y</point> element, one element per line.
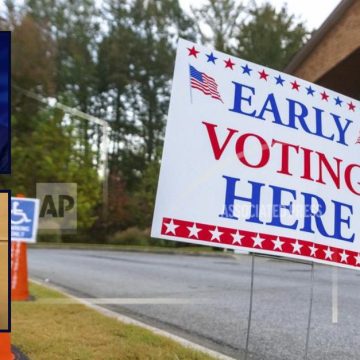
<point>191,100</point>
<point>310,312</point>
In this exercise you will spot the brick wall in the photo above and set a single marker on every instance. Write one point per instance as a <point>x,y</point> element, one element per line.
<point>336,45</point>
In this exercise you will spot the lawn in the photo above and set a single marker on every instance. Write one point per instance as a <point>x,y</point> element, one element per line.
<point>46,329</point>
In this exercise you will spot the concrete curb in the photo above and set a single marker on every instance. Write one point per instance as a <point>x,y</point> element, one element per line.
<point>18,354</point>
<point>127,320</point>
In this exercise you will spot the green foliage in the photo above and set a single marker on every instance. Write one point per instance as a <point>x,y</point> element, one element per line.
<point>73,25</point>
<point>270,38</point>
<point>144,198</point>
<point>130,236</point>
<point>134,236</point>
<point>256,33</point>
<point>48,154</point>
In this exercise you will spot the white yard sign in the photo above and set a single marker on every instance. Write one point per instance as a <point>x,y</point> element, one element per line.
<point>259,160</point>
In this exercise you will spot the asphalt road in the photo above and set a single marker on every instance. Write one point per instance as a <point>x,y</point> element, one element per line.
<point>206,299</point>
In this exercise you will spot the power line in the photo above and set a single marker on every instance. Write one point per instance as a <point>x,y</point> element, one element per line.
<point>54,103</point>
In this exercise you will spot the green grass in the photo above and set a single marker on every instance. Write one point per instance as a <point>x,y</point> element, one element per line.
<point>190,250</point>
<point>46,331</point>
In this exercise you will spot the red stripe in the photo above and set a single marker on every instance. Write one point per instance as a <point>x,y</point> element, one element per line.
<point>198,83</point>
<point>208,87</point>
<point>202,89</point>
<point>247,241</point>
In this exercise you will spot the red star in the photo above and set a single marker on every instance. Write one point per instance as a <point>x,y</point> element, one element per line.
<point>295,85</point>
<point>193,52</point>
<point>324,96</point>
<point>263,75</point>
<point>351,106</point>
<point>229,64</point>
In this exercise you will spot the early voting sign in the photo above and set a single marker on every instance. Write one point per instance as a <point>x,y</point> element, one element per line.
<point>24,219</point>
<point>259,160</point>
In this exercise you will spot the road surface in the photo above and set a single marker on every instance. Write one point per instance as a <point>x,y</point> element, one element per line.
<point>206,299</point>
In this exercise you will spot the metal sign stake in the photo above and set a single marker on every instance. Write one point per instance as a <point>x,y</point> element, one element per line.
<point>334,295</point>
<point>310,311</point>
<point>250,306</point>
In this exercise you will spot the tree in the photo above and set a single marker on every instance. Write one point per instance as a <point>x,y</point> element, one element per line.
<point>144,197</point>
<point>157,26</point>
<point>33,68</point>
<point>48,154</point>
<point>74,27</point>
<point>114,67</point>
<point>217,22</point>
<point>269,37</point>
<point>135,66</point>
<point>114,60</point>
<point>47,145</point>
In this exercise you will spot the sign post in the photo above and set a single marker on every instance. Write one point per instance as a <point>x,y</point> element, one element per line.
<point>250,306</point>
<point>24,222</point>
<point>259,160</point>
<point>310,311</point>
<point>335,294</point>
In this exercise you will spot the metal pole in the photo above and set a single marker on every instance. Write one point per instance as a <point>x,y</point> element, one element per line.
<point>334,295</point>
<point>106,172</point>
<point>191,99</point>
<point>54,103</point>
<point>250,306</point>
<point>310,311</point>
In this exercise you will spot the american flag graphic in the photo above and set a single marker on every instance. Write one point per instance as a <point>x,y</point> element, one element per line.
<point>204,83</point>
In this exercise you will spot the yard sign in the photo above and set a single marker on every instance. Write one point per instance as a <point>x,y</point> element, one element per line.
<point>24,219</point>
<point>259,160</point>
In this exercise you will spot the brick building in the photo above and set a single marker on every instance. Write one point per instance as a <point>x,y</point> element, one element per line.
<point>331,57</point>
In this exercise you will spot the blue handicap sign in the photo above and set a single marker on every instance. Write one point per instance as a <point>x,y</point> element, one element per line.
<point>24,219</point>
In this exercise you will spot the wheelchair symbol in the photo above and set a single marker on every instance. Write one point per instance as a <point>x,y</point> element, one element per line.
<point>18,214</point>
